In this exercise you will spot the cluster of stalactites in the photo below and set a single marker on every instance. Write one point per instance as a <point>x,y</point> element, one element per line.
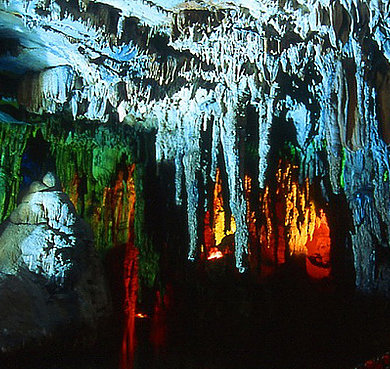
<point>320,48</point>
<point>90,64</point>
<point>179,140</point>
<point>233,47</point>
<point>253,56</point>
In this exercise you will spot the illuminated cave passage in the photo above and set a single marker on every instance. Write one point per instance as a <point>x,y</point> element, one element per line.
<point>194,184</point>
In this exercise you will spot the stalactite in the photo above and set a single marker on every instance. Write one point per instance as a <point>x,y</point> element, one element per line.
<point>268,235</point>
<point>178,140</point>
<point>315,68</point>
<point>328,67</point>
<point>216,140</point>
<point>265,110</point>
<point>47,91</point>
<point>192,203</point>
<point>118,206</point>
<point>294,226</point>
<point>191,162</point>
<point>236,196</point>
<point>253,205</point>
<point>97,164</point>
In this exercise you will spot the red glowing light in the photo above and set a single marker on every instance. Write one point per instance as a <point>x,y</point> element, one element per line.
<point>141,316</point>
<point>131,288</point>
<point>215,254</point>
<point>159,326</point>
<point>318,263</point>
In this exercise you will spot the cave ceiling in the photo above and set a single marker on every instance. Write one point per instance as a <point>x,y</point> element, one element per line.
<point>318,68</point>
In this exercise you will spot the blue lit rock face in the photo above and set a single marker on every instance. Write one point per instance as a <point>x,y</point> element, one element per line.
<point>320,67</point>
<point>51,281</point>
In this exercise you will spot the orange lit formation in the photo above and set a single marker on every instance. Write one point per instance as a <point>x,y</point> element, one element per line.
<point>290,225</point>
<point>73,190</point>
<point>118,207</point>
<point>214,253</point>
<point>118,211</point>
<point>109,209</point>
<point>302,229</point>
<point>218,225</point>
<point>318,249</point>
<point>141,316</point>
<point>115,222</point>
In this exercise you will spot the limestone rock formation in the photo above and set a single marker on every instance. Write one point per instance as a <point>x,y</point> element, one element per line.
<point>51,280</point>
<point>314,74</point>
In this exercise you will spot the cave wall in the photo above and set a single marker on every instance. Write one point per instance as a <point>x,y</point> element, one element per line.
<point>285,100</point>
<point>98,167</point>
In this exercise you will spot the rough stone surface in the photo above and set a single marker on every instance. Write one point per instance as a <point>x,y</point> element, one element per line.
<point>51,280</point>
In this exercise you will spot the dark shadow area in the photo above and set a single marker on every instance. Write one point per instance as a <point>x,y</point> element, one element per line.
<point>221,319</point>
<point>37,160</point>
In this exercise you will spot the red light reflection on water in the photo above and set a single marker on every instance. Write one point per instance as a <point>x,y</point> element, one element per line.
<point>130,302</point>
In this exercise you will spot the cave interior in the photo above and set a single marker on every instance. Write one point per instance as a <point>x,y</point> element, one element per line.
<point>232,162</point>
